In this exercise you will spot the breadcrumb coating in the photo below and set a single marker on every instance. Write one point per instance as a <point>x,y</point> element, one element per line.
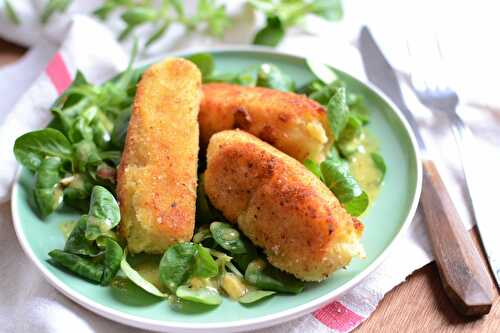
<point>280,205</point>
<point>290,122</point>
<point>158,172</point>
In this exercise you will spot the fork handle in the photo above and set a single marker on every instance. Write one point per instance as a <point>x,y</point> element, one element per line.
<point>464,276</point>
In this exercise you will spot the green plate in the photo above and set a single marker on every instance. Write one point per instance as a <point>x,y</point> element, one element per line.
<point>386,220</point>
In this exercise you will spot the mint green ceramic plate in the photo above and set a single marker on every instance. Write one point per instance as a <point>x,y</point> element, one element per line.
<point>386,220</point>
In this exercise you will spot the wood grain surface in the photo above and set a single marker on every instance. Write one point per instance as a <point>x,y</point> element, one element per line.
<point>9,52</point>
<point>417,305</point>
<point>421,305</point>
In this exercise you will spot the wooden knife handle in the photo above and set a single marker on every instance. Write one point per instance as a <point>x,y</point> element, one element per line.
<point>463,274</point>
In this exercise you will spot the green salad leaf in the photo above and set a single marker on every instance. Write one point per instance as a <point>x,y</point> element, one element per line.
<point>215,16</point>
<point>321,71</point>
<point>48,192</point>
<point>357,107</point>
<point>120,129</point>
<point>135,277</point>
<point>253,296</point>
<point>83,267</point>
<point>79,249</point>
<point>104,213</point>
<point>247,77</point>
<point>262,275</point>
<point>335,173</point>
<point>339,180</point>
<point>67,227</point>
<point>158,34</point>
<point>330,10</point>
<point>74,93</point>
<point>264,75</point>
<point>52,7</point>
<point>205,212</point>
<point>323,93</point>
<point>102,128</point>
<point>112,156</point>
<point>223,78</point>
<point>243,260</point>
<point>139,15</point>
<point>271,34</point>
<point>379,162</point>
<point>125,82</point>
<point>282,14</point>
<point>229,238</point>
<point>337,111</point>
<point>85,155</point>
<point>11,13</point>
<point>31,148</point>
<point>201,234</point>
<point>113,254</point>
<point>204,62</point>
<point>177,265</point>
<point>103,205</point>
<point>77,243</point>
<point>204,295</point>
<point>105,9</point>
<point>314,168</point>
<point>81,129</point>
<point>350,137</point>
<point>204,265</point>
<point>78,189</point>
<point>358,204</point>
<point>311,87</point>
<point>183,261</point>
<point>177,5</point>
<point>270,76</point>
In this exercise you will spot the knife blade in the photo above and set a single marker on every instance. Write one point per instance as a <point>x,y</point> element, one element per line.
<point>383,76</point>
<point>464,276</point>
<point>479,168</point>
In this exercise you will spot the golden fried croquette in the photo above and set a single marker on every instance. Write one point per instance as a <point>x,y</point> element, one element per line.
<point>280,205</point>
<point>158,171</point>
<point>292,123</point>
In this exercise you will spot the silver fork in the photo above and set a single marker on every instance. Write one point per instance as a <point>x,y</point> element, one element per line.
<point>430,82</point>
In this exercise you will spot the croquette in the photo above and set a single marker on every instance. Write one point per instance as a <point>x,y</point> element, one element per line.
<point>280,206</point>
<point>157,176</point>
<point>290,122</point>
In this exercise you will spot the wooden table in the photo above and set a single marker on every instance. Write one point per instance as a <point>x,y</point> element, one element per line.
<point>418,305</point>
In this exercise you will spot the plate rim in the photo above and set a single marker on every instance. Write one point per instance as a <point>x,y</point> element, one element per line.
<point>237,325</point>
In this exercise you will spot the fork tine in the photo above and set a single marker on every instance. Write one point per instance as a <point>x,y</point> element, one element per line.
<point>444,70</point>
<point>428,70</point>
<point>416,75</point>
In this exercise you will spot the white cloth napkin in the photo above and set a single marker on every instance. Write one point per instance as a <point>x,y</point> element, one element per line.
<point>90,47</point>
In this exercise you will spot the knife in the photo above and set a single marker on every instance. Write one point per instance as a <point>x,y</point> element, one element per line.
<point>464,276</point>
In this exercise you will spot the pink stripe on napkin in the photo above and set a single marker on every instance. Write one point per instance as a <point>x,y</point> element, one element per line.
<point>58,73</point>
<point>338,317</point>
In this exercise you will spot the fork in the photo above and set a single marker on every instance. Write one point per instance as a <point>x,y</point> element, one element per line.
<point>430,82</point>
<point>433,89</point>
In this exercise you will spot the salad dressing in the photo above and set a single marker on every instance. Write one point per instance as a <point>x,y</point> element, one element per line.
<point>148,267</point>
<point>150,273</point>
<point>363,167</point>
<point>67,227</point>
